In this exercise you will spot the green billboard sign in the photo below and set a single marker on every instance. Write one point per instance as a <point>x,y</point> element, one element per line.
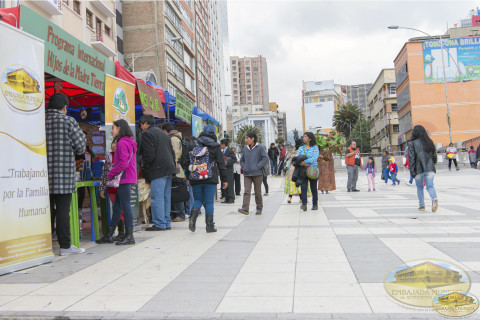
<point>66,57</point>
<point>183,108</point>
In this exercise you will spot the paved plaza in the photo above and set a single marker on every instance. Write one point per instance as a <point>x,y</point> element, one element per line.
<point>285,264</point>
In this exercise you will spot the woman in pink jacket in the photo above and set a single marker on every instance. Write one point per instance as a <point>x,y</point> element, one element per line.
<point>124,163</point>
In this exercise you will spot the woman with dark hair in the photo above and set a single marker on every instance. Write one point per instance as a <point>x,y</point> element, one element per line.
<point>204,176</point>
<point>422,157</point>
<point>310,150</point>
<point>124,164</point>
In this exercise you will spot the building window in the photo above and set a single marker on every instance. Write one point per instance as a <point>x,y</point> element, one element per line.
<point>248,74</point>
<point>247,68</point>
<point>235,91</point>
<point>235,85</point>
<point>107,31</point>
<point>254,63</point>
<point>89,19</point>
<point>234,79</point>
<point>172,16</point>
<point>176,45</point>
<point>249,98</point>
<point>234,61</point>
<point>396,128</point>
<point>175,68</point>
<point>234,68</point>
<point>392,90</point>
<point>249,86</point>
<point>394,107</point>
<point>76,7</point>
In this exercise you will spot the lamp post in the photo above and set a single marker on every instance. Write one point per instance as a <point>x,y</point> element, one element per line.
<point>156,44</point>
<point>444,74</point>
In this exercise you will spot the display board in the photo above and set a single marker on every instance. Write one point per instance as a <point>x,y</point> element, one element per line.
<point>25,228</point>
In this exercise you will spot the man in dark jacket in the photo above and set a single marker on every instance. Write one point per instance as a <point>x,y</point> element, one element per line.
<point>273,156</point>
<point>230,159</point>
<point>158,169</point>
<point>254,158</point>
<point>63,135</point>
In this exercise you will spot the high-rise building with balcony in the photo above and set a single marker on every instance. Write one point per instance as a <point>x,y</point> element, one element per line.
<point>357,95</point>
<point>249,81</point>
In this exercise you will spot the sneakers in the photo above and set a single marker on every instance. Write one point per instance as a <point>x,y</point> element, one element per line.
<point>355,190</point>
<point>398,182</point>
<point>71,250</point>
<point>315,208</point>
<point>154,228</point>
<point>369,190</point>
<point>243,211</point>
<point>265,195</point>
<point>458,169</point>
<point>178,219</point>
<point>434,205</point>
<point>258,212</point>
<point>422,208</point>
<point>289,200</point>
<point>303,207</point>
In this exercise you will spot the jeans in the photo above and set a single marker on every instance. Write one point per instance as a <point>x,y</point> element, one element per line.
<point>411,179</point>
<point>122,202</point>
<point>393,176</point>
<point>178,210</point>
<point>161,193</point>
<point>313,188</point>
<point>273,167</point>
<point>386,174</point>
<point>352,177</point>
<point>189,203</point>
<point>204,194</point>
<point>60,211</point>
<point>428,176</point>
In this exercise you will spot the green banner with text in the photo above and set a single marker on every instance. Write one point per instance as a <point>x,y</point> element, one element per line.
<point>183,108</point>
<point>66,57</point>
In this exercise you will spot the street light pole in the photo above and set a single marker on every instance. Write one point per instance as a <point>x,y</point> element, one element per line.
<point>444,74</point>
<point>138,55</point>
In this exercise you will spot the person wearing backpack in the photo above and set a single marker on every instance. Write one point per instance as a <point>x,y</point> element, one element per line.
<point>206,164</point>
<point>158,168</point>
<point>178,209</point>
<point>254,158</point>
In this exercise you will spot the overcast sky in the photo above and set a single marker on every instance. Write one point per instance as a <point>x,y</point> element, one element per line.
<point>347,41</point>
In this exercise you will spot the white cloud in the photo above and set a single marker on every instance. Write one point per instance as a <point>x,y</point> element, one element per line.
<point>347,41</point>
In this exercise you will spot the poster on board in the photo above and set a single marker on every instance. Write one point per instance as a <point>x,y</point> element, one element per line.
<point>25,228</point>
<point>197,126</point>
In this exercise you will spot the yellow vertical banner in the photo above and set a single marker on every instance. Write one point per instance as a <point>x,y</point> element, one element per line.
<point>119,100</point>
<point>25,227</point>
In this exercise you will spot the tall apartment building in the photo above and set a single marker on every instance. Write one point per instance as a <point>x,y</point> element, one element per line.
<point>320,100</point>
<point>282,125</point>
<point>382,101</point>
<point>249,81</point>
<point>189,52</point>
<point>92,22</point>
<point>149,28</point>
<point>357,94</point>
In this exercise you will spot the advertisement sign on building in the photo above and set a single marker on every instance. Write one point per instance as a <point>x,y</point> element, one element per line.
<point>66,57</point>
<point>25,230</point>
<point>319,114</point>
<point>183,108</point>
<point>150,100</point>
<point>462,62</point>
<point>319,85</point>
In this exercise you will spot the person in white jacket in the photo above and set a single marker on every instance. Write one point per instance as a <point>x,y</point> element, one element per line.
<point>237,173</point>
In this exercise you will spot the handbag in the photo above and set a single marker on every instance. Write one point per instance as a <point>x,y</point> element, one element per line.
<point>179,191</point>
<point>312,173</point>
<point>115,182</point>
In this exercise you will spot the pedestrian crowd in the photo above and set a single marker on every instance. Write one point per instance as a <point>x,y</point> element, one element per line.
<point>184,173</point>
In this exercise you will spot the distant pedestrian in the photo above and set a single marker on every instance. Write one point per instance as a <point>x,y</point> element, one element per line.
<point>370,170</point>
<point>273,154</point>
<point>206,164</point>
<point>353,161</point>
<point>452,156</point>
<point>237,173</point>
<point>385,164</point>
<point>472,155</point>
<point>64,139</point>
<point>253,159</point>
<point>393,167</point>
<point>230,159</point>
<point>158,168</point>
<point>283,155</point>
<point>478,153</point>
<point>190,141</point>
<point>423,157</point>
<point>310,150</point>
<point>266,172</point>
<point>406,165</point>
<point>124,164</point>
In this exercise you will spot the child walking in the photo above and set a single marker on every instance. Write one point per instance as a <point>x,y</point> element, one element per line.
<point>393,171</point>
<point>370,169</point>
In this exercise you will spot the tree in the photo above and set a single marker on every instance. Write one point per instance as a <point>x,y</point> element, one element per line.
<point>345,118</point>
<point>361,134</point>
<point>280,140</point>
<point>243,132</point>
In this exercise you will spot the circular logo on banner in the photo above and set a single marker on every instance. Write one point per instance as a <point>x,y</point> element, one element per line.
<point>455,304</point>
<point>22,88</point>
<point>120,101</point>
<point>418,282</point>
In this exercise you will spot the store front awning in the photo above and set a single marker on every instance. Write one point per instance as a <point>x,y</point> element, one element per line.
<point>10,16</point>
<point>204,116</point>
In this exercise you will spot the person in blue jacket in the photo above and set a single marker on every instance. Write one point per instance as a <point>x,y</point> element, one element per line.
<point>310,150</point>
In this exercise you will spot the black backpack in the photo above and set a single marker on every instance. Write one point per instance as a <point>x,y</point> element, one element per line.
<point>184,160</point>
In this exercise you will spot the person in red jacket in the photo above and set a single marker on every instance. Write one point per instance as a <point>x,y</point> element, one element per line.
<point>393,171</point>
<point>283,154</point>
